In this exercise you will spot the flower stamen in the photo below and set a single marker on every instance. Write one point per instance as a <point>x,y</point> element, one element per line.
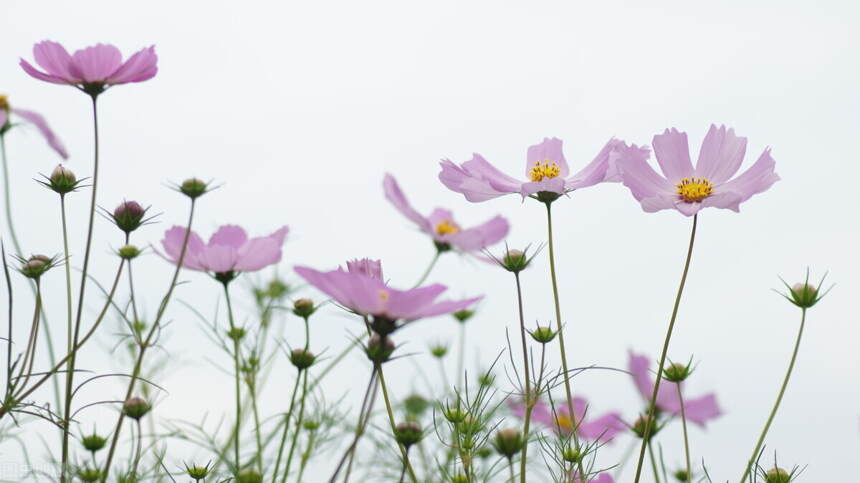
<point>694,190</point>
<point>446,227</point>
<point>544,169</point>
<point>4,102</point>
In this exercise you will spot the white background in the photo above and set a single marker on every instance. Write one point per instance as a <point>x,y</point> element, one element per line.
<point>299,108</point>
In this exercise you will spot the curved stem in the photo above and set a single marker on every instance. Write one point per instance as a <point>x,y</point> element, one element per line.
<point>528,396</point>
<point>298,429</point>
<point>287,419</point>
<point>238,376</point>
<point>686,437</point>
<point>652,403</point>
<point>773,411</point>
<point>560,328</point>
<point>428,270</point>
<point>392,423</point>
<point>30,352</point>
<point>70,341</point>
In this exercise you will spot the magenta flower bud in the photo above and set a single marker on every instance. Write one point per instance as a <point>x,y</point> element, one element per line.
<point>408,433</point>
<point>508,442</point>
<point>62,180</point>
<point>36,265</point>
<point>128,216</point>
<point>136,408</point>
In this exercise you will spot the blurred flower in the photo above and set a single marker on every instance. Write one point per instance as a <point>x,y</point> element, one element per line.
<point>602,478</point>
<point>440,225</point>
<point>602,428</point>
<point>546,170</point>
<point>362,290</point>
<point>33,118</point>
<point>229,250</point>
<point>689,189</point>
<point>92,69</point>
<point>698,410</point>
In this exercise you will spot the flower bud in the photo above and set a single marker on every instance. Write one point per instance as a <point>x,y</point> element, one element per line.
<point>486,379</point>
<point>677,372</point>
<point>36,265</point>
<point>777,475</point>
<point>135,408</point>
<point>62,180</point>
<point>128,216</point>
<point>197,473</point>
<point>379,349</point>
<point>93,442</point>
<point>193,188</point>
<point>463,315</point>
<point>804,295</point>
<point>508,442</point>
<point>408,433</point>
<point>88,475</point>
<point>459,478</point>
<point>415,405</point>
<point>311,425</point>
<point>249,476</point>
<point>302,359</point>
<point>484,452</point>
<point>304,307</point>
<point>128,252</point>
<point>515,261</point>
<point>571,455</point>
<point>455,415</point>
<point>682,476</point>
<point>236,333</point>
<point>543,335</point>
<point>640,426</point>
<point>438,350</point>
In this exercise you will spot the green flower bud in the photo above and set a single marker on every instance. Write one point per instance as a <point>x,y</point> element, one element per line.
<point>408,433</point>
<point>35,266</point>
<point>197,473</point>
<point>129,252</point>
<point>128,216</point>
<point>236,333</point>
<point>571,455</point>
<point>777,475</point>
<point>62,180</point>
<point>302,359</point>
<point>439,350</point>
<point>311,425</point>
<point>459,478</point>
<point>463,315</point>
<point>455,415</point>
<point>508,442</point>
<point>804,295</point>
<point>682,476</point>
<point>136,408</point>
<point>249,476</point>
<point>379,349</point>
<point>304,308</point>
<point>415,405</point>
<point>484,452</point>
<point>193,188</point>
<point>93,442</point>
<point>89,475</point>
<point>642,423</point>
<point>543,335</point>
<point>677,372</point>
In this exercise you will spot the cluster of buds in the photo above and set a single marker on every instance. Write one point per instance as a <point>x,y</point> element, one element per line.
<point>508,442</point>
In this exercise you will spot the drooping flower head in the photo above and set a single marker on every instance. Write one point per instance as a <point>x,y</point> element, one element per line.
<point>688,189</point>
<point>602,428</point>
<point>92,69</point>
<point>440,225</point>
<point>699,410</point>
<point>32,117</point>
<point>362,290</point>
<point>547,173</point>
<point>228,252</point>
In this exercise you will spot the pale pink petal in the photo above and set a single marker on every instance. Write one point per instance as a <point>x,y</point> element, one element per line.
<point>549,150</point>
<point>229,235</point>
<point>395,195</point>
<point>473,187</point>
<point>673,154</point>
<point>172,243</point>
<point>725,199</point>
<point>56,61</point>
<point>721,154</point>
<point>638,175</point>
<point>687,209</point>
<point>259,253</point>
<point>218,258</point>
<point>367,267</point>
<point>478,166</point>
<point>551,185</point>
<point>659,202</point>
<point>139,67</point>
<point>481,236</point>
<point>407,303</point>
<point>39,121</point>
<point>96,64</point>
<point>639,367</point>
<point>444,307</point>
<point>602,168</point>
<point>758,178</point>
<point>3,118</point>
<point>702,409</point>
<point>602,428</point>
<point>33,72</point>
<point>440,215</point>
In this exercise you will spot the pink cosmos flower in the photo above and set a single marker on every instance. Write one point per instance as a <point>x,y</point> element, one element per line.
<point>602,478</point>
<point>362,290</point>
<point>229,250</point>
<point>34,118</point>
<point>689,189</point>
<point>440,225</point>
<point>546,170</point>
<point>91,69</point>
<point>698,410</point>
<point>602,428</point>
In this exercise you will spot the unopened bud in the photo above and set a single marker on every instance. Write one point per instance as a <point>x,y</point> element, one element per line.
<point>459,478</point>
<point>193,188</point>
<point>543,335</point>
<point>88,475</point>
<point>777,475</point>
<point>249,476</point>
<point>129,252</point>
<point>302,359</point>
<point>304,307</point>
<point>439,350</point>
<point>379,349</point>
<point>236,333</point>
<point>463,315</point>
<point>93,442</point>
<point>682,476</point>
<point>128,216</point>
<point>197,473</point>
<point>455,415</point>
<point>677,372</point>
<point>508,442</point>
<point>804,295</point>
<point>639,427</point>
<point>62,180</point>
<point>515,261</point>
<point>36,265</point>
<point>415,405</point>
<point>571,455</point>
<point>135,408</point>
<point>408,433</point>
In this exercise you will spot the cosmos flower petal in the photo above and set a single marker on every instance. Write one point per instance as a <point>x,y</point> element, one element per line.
<point>702,409</point>
<point>42,125</point>
<point>367,267</point>
<point>602,168</point>
<point>638,175</point>
<point>444,307</point>
<point>758,178</point>
<point>56,61</point>
<point>474,188</point>
<point>141,66</point>
<point>481,236</point>
<point>395,195</point>
<point>33,72</point>
<point>552,185</point>
<point>602,428</point>
<point>261,252</point>
<point>407,303</point>
<point>497,180</point>
<point>229,235</point>
<point>96,64</point>
<point>550,150</point>
<point>673,154</point>
<point>172,243</point>
<point>721,154</point>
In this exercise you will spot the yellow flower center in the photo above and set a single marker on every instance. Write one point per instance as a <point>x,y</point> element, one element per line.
<point>446,228</point>
<point>4,102</point>
<point>693,190</point>
<point>564,422</point>
<point>544,169</point>
<point>383,295</point>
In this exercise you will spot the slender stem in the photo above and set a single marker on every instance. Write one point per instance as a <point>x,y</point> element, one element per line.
<point>299,421</point>
<point>238,376</point>
<point>560,328</point>
<point>511,467</point>
<point>653,464</point>
<point>392,423</point>
<point>461,356</point>
<point>162,308</point>
<point>287,418</point>
<point>306,454</point>
<point>8,197</point>
<point>252,389</point>
<point>528,398</point>
<point>686,437</point>
<point>30,352</point>
<point>429,269</point>
<point>362,423</point>
<point>773,411</point>
<point>652,403</point>
<point>70,341</point>
<point>139,448</point>
<point>335,362</point>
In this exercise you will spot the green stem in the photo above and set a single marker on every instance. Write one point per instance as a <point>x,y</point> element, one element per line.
<point>287,419</point>
<point>528,396</point>
<point>70,342</point>
<point>429,269</point>
<point>686,437</point>
<point>306,455</point>
<point>252,390</point>
<point>363,416</point>
<point>773,411</point>
<point>461,356</point>
<point>560,328</point>
<point>238,384</point>
<point>298,428</point>
<point>392,423</point>
<point>652,403</point>
<point>653,464</point>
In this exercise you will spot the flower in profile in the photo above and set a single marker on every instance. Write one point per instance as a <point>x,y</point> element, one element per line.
<point>362,290</point>
<point>440,225</point>
<point>546,172</point>
<point>688,189</point>
<point>31,117</point>
<point>228,252</point>
<point>92,69</point>
<point>699,410</point>
<point>602,428</point>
